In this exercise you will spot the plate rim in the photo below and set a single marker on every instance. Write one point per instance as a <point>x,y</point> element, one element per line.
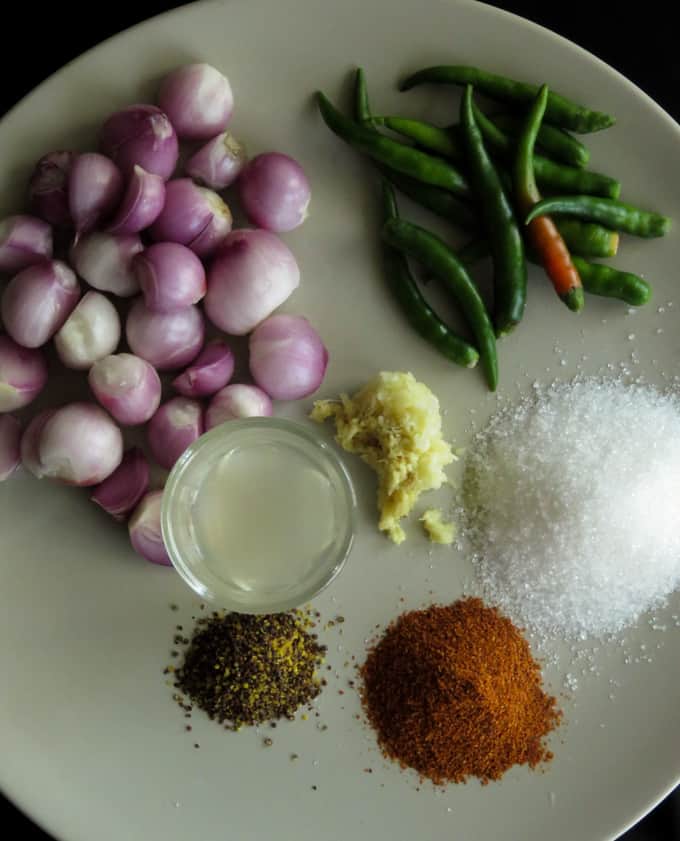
<point>186,10</point>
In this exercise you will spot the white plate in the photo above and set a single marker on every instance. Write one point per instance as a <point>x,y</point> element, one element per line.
<point>92,744</point>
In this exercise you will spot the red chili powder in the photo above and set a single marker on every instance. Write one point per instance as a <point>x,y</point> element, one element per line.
<point>454,692</point>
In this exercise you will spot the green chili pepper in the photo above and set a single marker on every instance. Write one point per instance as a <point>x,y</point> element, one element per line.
<point>560,111</point>
<point>420,315</point>
<point>587,239</point>
<point>439,201</point>
<point>612,283</point>
<point>362,108</point>
<point>548,173</point>
<point>435,139</point>
<point>404,159</point>
<point>614,214</point>
<point>418,312</point>
<point>507,248</point>
<point>438,259</point>
<point>555,142</point>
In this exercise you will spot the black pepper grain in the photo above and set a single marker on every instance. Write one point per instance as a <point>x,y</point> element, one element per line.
<point>247,669</point>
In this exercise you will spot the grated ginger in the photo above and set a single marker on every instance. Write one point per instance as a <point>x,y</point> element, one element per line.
<point>436,528</point>
<point>394,424</point>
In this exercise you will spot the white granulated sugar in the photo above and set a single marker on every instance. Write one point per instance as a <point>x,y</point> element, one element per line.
<point>572,500</point>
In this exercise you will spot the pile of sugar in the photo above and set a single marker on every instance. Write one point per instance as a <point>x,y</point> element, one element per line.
<point>572,505</point>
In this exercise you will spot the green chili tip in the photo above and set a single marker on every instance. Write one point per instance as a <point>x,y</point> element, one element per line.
<point>504,330</point>
<point>600,279</point>
<point>574,299</point>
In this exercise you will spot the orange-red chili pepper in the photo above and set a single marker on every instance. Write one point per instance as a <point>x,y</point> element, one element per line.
<point>543,235</point>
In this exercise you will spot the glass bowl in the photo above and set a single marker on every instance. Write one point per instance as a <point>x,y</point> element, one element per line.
<point>258,515</point>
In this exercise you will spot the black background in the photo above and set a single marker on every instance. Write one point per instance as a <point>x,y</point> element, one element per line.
<point>639,40</point>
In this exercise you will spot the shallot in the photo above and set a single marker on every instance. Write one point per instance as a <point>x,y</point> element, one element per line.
<point>237,401</point>
<point>78,444</point>
<point>145,532</point>
<point>287,357</point>
<point>105,261</point>
<point>141,135</point>
<point>170,275</point>
<point>275,192</point>
<point>141,205</point>
<point>198,100</point>
<point>95,186</point>
<point>253,273</point>
<point>119,494</point>
<point>209,372</point>
<point>193,216</point>
<point>217,164</point>
<point>24,240</point>
<point>90,333</point>
<point>37,301</point>
<point>167,340</point>
<point>176,425</point>
<point>23,374</point>
<point>127,386</point>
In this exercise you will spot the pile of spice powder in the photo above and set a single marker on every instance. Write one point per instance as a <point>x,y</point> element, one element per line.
<point>245,669</point>
<point>454,692</point>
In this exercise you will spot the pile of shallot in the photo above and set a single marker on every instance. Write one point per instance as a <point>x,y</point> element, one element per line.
<point>123,223</point>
